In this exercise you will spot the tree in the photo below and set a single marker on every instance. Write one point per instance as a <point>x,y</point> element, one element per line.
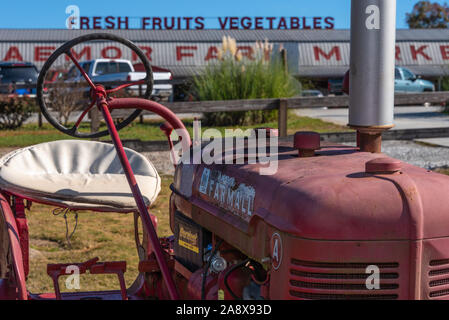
<point>429,15</point>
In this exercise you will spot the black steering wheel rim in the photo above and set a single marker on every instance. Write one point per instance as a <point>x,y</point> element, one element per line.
<point>66,48</point>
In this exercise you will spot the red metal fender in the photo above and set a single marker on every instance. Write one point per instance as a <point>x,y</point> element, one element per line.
<point>194,286</point>
<point>17,254</point>
<point>22,228</point>
<point>236,281</point>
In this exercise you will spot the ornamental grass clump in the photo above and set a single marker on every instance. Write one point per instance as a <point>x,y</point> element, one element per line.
<point>253,73</point>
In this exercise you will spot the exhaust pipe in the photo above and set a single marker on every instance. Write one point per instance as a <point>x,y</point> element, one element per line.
<point>372,65</point>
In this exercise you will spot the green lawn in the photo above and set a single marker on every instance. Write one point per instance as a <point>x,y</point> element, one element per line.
<point>31,134</point>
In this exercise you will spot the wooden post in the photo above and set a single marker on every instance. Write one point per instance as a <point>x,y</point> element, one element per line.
<point>284,60</point>
<point>283,103</point>
<point>140,95</point>
<point>94,121</point>
<point>282,117</point>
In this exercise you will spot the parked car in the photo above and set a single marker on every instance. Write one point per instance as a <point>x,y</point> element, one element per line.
<point>107,70</point>
<point>18,78</point>
<point>311,93</point>
<point>335,86</point>
<point>55,75</point>
<point>161,89</point>
<point>407,81</point>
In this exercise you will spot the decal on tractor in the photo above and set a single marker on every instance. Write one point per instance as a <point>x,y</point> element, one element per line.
<point>227,194</point>
<point>276,250</point>
<point>188,239</point>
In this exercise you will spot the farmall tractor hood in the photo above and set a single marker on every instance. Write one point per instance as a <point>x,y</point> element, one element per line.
<point>330,196</point>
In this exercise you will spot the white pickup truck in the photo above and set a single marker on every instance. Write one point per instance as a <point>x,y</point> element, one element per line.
<point>107,70</point>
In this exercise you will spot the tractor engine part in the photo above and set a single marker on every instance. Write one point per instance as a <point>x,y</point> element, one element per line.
<point>233,280</point>
<point>199,289</point>
<point>191,243</point>
<point>373,36</point>
<point>218,263</point>
<point>320,227</point>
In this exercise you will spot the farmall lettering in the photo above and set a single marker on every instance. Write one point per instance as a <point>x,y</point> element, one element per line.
<point>227,194</point>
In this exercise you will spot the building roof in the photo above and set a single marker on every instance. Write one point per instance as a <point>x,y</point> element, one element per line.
<point>62,35</point>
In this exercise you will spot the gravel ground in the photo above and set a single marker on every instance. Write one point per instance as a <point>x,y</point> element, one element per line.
<point>418,154</point>
<point>161,160</point>
<point>415,153</point>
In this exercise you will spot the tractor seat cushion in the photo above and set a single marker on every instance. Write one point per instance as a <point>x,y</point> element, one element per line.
<point>77,175</point>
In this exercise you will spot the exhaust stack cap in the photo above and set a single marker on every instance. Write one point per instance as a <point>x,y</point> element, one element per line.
<point>307,143</point>
<point>383,165</point>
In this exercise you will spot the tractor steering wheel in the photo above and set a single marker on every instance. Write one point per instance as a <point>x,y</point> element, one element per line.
<point>65,49</point>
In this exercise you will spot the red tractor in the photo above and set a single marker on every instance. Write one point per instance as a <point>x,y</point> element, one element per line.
<point>332,222</point>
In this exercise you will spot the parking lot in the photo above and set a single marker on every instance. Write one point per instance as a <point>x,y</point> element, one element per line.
<point>412,117</point>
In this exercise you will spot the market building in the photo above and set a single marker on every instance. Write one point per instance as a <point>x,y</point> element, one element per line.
<point>316,54</point>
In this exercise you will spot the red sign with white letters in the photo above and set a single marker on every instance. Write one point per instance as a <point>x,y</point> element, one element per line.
<point>192,54</point>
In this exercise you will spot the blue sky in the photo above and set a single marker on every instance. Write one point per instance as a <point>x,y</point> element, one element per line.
<point>51,13</point>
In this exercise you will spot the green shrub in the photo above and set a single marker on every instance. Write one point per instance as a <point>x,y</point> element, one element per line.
<point>232,77</point>
<point>14,111</point>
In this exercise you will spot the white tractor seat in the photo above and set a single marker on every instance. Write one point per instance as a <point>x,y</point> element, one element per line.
<point>77,175</point>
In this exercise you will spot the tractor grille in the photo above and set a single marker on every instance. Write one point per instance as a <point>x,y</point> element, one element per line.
<point>439,278</point>
<point>341,281</point>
